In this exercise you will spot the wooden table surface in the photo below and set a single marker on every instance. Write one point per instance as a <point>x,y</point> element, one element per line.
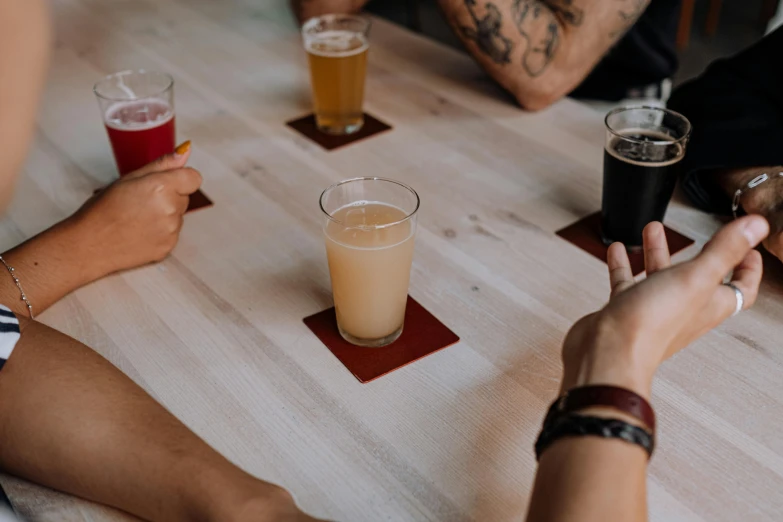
<point>215,331</point>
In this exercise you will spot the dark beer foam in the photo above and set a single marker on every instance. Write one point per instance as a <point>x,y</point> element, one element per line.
<point>646,149</point>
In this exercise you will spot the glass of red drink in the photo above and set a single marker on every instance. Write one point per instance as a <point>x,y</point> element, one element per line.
<point>138,112</point>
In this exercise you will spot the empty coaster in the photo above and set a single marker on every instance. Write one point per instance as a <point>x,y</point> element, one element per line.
<point>306,127</point>
<point>586,234</point>
<point>197,200</point>
<point>422,335</point>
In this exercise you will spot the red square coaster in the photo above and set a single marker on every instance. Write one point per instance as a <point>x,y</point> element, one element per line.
<point>306,126</point>
<point>586,234</point>
<point>423,334</point>
<point>198,200</point>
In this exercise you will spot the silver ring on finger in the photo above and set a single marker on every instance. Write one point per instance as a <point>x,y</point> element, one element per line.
<point>740,298</point>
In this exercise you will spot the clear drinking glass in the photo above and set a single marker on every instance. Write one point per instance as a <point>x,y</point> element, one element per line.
<point>370,229</point>
<point>642,159</point>
<point>138,112</point>
<point>337,50</point>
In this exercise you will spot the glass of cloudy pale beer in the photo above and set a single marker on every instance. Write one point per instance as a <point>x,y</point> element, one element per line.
<point>337,50</point>
<point>369,227</point>
<point>642,159</point>
<point>138,112</point>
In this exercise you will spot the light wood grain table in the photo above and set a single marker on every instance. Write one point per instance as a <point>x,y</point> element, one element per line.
<point>215,331</point>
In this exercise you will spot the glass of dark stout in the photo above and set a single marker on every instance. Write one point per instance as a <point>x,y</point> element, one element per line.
<point>642,159</point>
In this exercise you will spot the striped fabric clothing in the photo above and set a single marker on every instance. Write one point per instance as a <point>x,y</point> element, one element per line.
<point>9,333</point>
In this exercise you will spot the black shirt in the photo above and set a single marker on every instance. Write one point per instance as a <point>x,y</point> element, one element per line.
<point>736,109</point>
<point>646,54</point>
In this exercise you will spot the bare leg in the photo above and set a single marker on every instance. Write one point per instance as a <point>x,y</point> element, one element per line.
<point>72,421</point>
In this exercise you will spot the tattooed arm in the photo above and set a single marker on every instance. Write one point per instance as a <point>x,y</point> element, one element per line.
<point>540,50</point>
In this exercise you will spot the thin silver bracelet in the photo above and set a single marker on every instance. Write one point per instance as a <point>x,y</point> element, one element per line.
<point>19,286</point>
<point>755,182</point>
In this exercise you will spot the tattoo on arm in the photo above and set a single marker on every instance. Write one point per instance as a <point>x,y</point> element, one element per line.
<point>542,43</point>
<point>568,13</point>
<point>539,22</point>
<point>487,35</point>
<point>629,12</point>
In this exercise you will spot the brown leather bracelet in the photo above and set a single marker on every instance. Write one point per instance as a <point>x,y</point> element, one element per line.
<point>613,397</point>
<point>572,425</point>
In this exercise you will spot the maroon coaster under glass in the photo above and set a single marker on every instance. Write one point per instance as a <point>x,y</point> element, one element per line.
<point>586,234</point>
<point>306,126</point>
<point>197,200</point>
<point>422,335</point>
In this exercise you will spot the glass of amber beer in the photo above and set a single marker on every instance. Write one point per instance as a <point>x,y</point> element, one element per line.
<point>369,227</point>
<point>337,50</point>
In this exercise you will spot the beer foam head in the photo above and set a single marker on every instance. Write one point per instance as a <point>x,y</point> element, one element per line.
<point>645,147</point>
<point>138,114</point>
<point>336,44</point>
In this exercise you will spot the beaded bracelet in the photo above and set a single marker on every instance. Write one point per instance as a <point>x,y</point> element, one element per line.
<point>19,286</point>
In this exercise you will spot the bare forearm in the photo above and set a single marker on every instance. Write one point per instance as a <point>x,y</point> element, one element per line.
<point>588,479</point>
<point>540,49</point>
<point>591,479</point>
<point>49,266</point>
<point>24,39</point>
<point>70,420</point>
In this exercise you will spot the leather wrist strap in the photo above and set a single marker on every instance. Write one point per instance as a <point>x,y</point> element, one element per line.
<point>613,397</point>
<point>572,425</point>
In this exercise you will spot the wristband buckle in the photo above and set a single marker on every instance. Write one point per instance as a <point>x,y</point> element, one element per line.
<point>755,182</point>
